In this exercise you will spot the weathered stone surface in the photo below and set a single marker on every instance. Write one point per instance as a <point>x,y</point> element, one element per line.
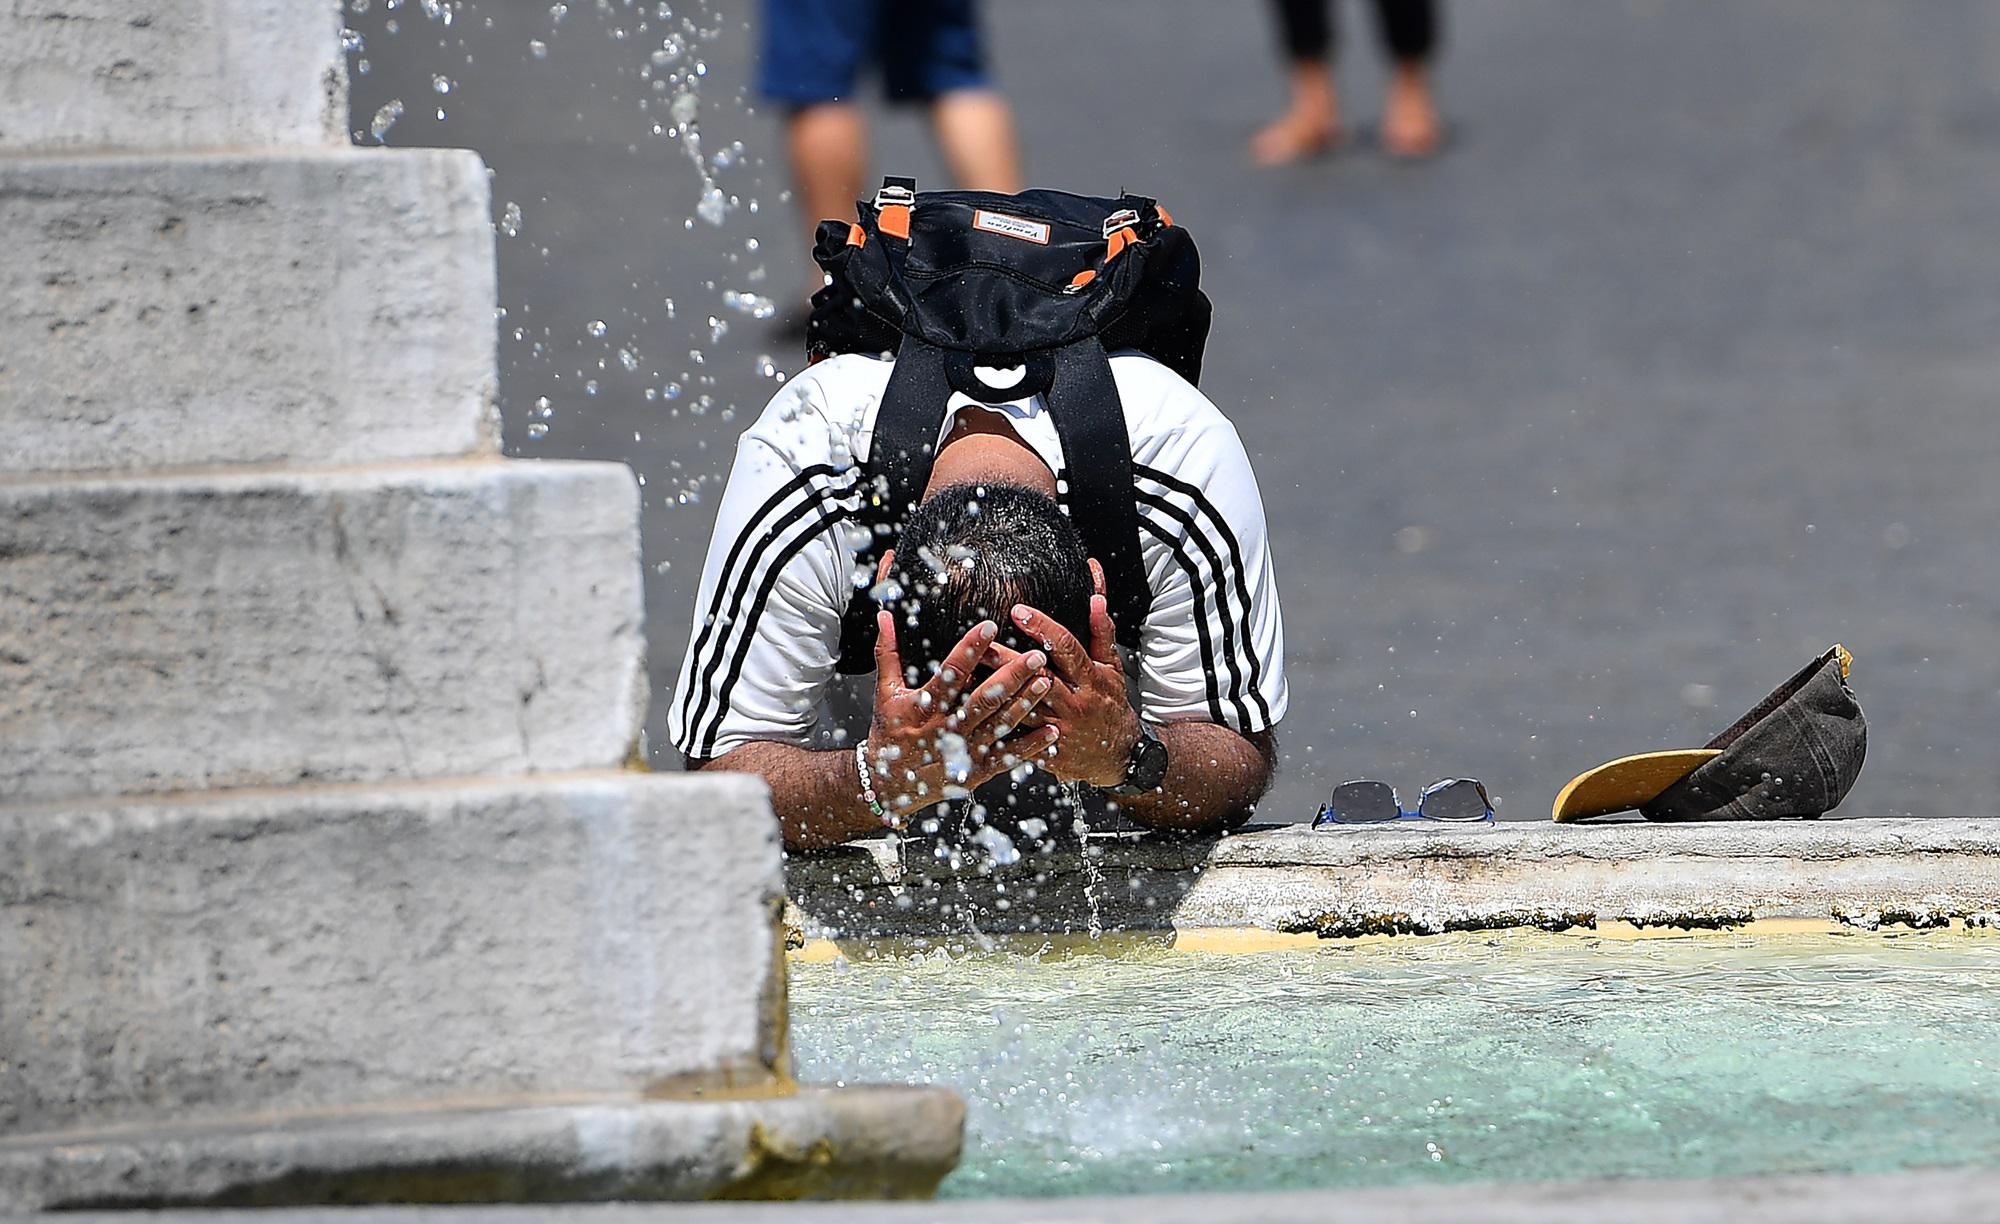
<point>180,633</point>
<point>1937,1196</point>
<point>307,949</point>
<point>1417,879</point>
<point>212,74</point>
<point>867,1142</point>
<point>305,309</point>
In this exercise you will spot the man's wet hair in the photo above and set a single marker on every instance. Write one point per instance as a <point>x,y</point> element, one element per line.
<point>970,553</point>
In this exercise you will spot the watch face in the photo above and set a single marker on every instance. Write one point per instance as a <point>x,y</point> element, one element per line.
<point>1148,767</point>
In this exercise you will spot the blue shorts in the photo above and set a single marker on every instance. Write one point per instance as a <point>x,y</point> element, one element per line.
<point>814,50</point>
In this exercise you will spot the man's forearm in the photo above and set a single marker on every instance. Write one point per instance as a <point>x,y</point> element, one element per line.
<point>1213,777</point>
<point>816,795</point>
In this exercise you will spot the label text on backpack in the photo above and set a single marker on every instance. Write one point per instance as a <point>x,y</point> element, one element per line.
<point>1012,227</point>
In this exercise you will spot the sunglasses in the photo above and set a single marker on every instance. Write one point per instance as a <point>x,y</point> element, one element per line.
<point>1366,801</point>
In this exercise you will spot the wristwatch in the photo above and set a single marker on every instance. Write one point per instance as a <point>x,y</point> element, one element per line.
<point>1146,768</point>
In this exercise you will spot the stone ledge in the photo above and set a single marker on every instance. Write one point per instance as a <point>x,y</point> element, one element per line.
<point>126,74</point>
<point>310,948</point>
<point>1423,879</point>
<point>306,307</point>
<point>265,628</point>
<point>1936,1196</point>
<point>864,1142</point>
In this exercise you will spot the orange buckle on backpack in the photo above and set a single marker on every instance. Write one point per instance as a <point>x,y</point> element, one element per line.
<point>893,204</point>
<point>1120,232</point>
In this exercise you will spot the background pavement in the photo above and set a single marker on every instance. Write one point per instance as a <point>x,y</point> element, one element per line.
<point>1679,365</point>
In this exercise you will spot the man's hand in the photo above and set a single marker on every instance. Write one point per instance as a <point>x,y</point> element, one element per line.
<point>1088,703</point>
<point>911,748</point>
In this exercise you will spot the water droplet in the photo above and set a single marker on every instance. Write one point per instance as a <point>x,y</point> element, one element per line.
<point>510,220</point>
<point>755,305</point>
<point>386,118</point>
<point>538,48</point>
<point>440,84</point>
<point>351,41</point>
<point>999,847</point>
<point>714,206</point>
<point>957,757</point>
<point>596,328</point>
<point>627,359</point>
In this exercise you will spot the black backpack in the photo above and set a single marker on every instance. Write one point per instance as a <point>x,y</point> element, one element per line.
<point>1042,280</point>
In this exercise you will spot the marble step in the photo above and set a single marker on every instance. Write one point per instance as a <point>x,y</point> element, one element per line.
<point>474,942</point>
<point>857,1142</point>
<point>260,628</point>
<point>93,75</point>
<point>316,307</point>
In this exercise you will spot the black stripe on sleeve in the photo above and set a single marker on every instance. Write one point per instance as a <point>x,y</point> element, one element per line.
<point>765,531</point>
<point>751,528</point>
<point>1220,527</point>
<point>1172,541</point>
<point>1217,590</point>
<point>829,519</point>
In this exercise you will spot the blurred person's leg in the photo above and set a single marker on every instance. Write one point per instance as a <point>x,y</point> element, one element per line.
<point>975,132</point>
<point>828,146</point>
<point>1411,126</point>
<point>812,54</point>
<point>931,51</point>
<point>1311,120</point>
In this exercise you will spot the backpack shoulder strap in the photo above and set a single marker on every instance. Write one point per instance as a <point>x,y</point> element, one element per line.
<point>1097,470</point>
<point>901,454</point>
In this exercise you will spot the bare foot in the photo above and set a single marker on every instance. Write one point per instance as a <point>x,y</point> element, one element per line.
<point>1410,123</point>
<point>1310,124</point>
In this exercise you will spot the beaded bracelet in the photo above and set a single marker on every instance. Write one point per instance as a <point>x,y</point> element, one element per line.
<point>868,797</point>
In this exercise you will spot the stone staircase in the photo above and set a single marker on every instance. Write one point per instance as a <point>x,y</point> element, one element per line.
<point>322,878</point>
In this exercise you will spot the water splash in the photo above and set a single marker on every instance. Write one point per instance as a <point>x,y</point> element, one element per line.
<point>385,118</point>
<point>1000,848</point>
<point>755,305</point>
<point>957,757</point>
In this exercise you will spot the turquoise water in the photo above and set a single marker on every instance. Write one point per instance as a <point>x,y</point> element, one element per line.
<point>1513,1057</point>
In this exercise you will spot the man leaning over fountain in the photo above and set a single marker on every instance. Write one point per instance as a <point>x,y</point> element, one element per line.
<point>1192,749</point>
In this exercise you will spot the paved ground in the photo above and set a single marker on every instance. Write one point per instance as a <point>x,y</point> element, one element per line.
<point>1680,365</point>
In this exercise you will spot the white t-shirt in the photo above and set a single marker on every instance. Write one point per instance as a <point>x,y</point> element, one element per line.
<point>782,566</point>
